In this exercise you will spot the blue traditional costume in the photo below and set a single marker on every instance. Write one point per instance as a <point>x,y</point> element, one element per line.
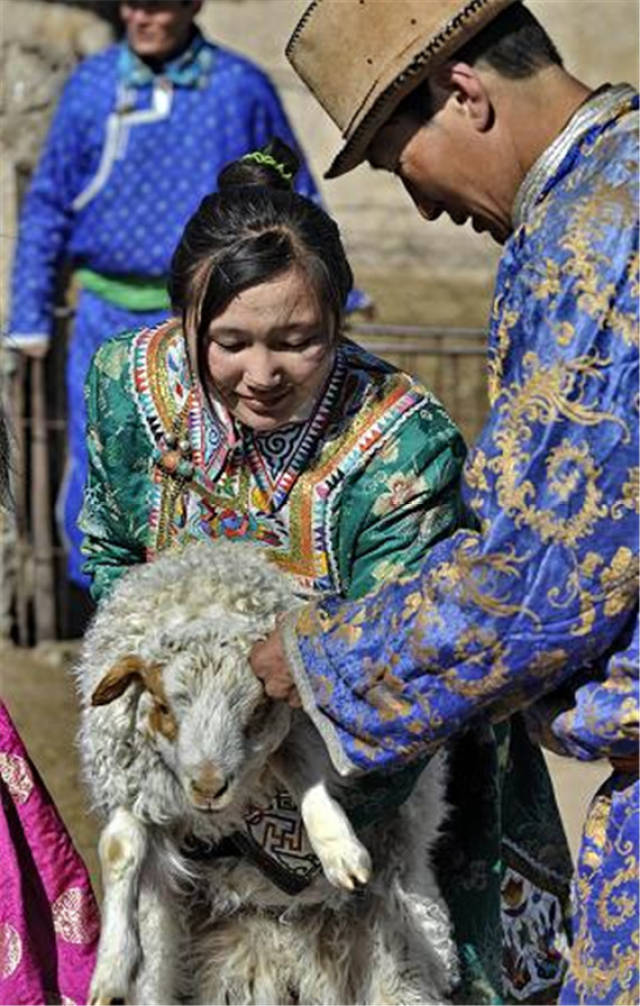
<point>129,156</point>
<point>546,594</point>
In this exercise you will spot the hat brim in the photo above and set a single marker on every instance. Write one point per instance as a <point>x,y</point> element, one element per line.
<point>436,51</point>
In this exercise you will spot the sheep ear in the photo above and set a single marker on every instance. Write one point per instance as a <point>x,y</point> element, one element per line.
<point>117,679</point>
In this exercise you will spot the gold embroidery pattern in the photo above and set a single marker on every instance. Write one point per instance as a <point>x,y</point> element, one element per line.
<point>604,955</point>
<point>16,775</point>
<point>10,949</point>
<point>73,920</point>
<point>550,394</point>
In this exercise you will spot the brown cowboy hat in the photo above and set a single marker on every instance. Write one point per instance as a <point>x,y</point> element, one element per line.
<point>360,58</point>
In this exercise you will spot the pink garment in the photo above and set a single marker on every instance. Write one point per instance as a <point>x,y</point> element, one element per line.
<point>49,919</point>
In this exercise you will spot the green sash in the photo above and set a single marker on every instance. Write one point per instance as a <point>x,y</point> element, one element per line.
<point>135,293</point>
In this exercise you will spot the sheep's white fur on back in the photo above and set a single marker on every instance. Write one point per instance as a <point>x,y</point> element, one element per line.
<point>219,930</point>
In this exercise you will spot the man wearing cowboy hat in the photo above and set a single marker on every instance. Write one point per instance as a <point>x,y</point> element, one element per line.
<point>470,105</point>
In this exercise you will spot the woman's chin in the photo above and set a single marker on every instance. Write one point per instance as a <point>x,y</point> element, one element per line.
<point>264,420</point>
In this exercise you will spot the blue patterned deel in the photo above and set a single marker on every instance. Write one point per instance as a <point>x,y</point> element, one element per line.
<point>548,588</point>
<point>125,166</point>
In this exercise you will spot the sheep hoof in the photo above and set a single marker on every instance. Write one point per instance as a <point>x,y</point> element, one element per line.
<point>104,994</point>
<point>347,864</point>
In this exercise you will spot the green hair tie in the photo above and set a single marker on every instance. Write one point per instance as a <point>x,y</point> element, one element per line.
<point>260,158</point>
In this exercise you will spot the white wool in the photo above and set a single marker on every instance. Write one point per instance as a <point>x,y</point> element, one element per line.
<point>219,931</point>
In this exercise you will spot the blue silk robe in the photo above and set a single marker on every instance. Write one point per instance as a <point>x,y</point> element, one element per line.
<point>545,595</point>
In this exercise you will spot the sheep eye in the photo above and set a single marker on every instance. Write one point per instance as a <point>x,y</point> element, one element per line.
<point>162,708</point>
<point>259,716</point>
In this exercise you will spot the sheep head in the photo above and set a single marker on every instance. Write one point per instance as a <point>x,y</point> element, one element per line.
<point>200,705</point>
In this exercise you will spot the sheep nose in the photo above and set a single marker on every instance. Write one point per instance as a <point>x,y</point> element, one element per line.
<point>209,786</point>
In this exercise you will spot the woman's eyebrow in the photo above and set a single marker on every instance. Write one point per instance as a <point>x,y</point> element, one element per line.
<point>293,326</point>
<point>229,331</point>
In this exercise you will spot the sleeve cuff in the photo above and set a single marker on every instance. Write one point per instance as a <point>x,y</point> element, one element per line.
<point>322,723</point>
<point>22,340</point>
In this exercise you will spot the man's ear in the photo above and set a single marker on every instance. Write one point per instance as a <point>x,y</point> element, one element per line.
<point>464,85</point>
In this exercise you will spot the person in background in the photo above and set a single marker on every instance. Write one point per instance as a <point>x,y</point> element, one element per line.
<point>138,138</point>
<point>250,417</point>
<point>49,920</point>
<point>471,107</point>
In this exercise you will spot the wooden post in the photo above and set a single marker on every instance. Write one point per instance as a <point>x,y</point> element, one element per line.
<point>44,587</point>
<point>14,580</point>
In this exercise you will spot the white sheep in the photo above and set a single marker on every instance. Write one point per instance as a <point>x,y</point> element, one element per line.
<point>178,741</point>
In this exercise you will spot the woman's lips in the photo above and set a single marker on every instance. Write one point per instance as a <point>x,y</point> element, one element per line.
<point>264,401</point>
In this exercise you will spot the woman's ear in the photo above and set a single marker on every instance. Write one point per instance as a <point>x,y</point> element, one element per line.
<point>467,89</point>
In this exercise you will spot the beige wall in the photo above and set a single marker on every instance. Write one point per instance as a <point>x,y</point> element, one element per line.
<point>598,39</point>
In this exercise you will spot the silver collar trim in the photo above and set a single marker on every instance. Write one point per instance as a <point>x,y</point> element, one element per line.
<point>551,158</point>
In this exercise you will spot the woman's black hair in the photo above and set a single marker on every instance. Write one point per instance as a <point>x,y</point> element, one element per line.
<point>254,227</point>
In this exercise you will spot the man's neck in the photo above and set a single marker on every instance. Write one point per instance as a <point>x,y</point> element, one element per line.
<point>156,65</point>
<point>550,100</point>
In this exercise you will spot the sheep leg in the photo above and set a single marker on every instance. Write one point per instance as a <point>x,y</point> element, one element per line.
<point>345,861</point>
<point>161,936</point>
<point>303,765</point>
<point>122,849</point>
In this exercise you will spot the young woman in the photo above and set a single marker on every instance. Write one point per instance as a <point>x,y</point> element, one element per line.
<point>249,416</point>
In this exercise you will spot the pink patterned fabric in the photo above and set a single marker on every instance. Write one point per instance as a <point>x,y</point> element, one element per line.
<point>49,920</point>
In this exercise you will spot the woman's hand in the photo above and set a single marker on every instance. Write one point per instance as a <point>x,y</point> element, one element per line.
<point>269,663</point>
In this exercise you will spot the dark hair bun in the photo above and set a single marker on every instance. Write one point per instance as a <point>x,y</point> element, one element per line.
<point>262,171</point>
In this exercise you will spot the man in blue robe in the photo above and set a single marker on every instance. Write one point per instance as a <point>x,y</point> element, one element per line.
<point>140,133</point>
<point>470,105</point>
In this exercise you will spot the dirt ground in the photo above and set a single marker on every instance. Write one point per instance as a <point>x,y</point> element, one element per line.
<point>37,686</point>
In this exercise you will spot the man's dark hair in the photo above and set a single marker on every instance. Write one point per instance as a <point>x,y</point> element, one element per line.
<point>514,44</point>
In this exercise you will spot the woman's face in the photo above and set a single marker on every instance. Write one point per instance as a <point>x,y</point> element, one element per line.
<point>270,351</point>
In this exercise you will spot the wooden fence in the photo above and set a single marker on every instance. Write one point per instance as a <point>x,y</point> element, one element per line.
<point>451,362</point>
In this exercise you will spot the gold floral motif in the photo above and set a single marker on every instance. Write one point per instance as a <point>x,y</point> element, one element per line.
<point>630,495</point>
<point>548,280</point>
<point>564,332</point>
<point>72,916</point>
<point>551,393</point>
<point>614,909</point>
<point>412,604</point>
<point>634,274</point>
<point>10,949</point>
<point>495,363</point>
<point>16,775</point>
<point>475,477</point>
<point>469,573</point>
<point>623,566</point>
<point>603,208</point>
<point>594,975</point>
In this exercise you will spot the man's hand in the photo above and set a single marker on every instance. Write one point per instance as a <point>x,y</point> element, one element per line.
<point>269,663</point>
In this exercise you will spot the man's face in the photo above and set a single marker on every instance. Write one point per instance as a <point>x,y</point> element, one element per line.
<point>446,166</point>
<point>155,28</point>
